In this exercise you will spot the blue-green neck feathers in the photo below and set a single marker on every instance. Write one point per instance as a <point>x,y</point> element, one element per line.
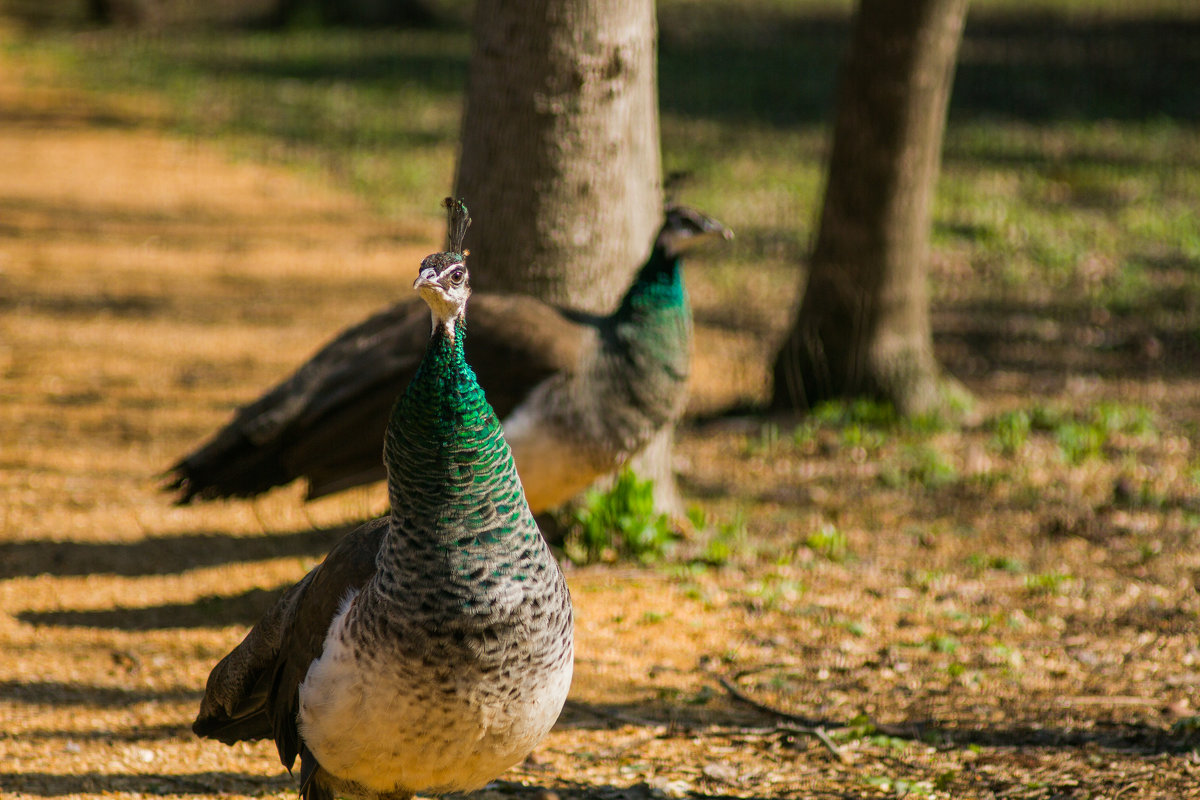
<point>652,332</point>
<point>657,288</point>
<point>451,479</point>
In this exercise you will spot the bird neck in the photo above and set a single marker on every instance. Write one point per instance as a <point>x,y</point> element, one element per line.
<point>456,500</point>
<point>652,328</point>
<point>658,287</point>
<point>646,351</point>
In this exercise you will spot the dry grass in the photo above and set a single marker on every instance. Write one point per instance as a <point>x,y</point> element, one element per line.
<point>1016,630</point>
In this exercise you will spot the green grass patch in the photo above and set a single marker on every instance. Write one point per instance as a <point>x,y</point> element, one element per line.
<point>1080,434</point>
<point>621,523</point>
<point>726,541</point>
<point>829,542</point>
<point>1010,431</point>
<point>1046,583</point>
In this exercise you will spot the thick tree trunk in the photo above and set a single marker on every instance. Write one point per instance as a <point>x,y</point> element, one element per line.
<point>560,155</point>
<point>863,325</point>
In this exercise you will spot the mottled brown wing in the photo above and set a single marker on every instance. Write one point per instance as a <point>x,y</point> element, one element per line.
<point>252,693</point>
<point>326,421</point>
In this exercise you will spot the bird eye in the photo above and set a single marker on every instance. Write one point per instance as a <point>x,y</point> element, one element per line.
<point>457,276</point>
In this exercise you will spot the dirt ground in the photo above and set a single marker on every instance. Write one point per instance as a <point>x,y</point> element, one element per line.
<point>148,284</point>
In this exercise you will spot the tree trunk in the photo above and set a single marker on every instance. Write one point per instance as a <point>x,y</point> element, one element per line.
<point>863,325</point>
<point>560,159</point>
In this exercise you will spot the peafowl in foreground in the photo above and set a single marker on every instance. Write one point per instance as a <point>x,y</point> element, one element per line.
<point>432,649</point>
<point>579,394</point>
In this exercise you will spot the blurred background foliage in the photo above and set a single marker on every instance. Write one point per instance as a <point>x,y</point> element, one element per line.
<point>1070,186</point>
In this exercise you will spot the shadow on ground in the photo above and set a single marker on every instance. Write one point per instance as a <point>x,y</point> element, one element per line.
<point>137,733</point>
<point>1053,341</point>
<point>63,693</point>
<point>48,784</point>
<point>42,784</point>
<point>161,555</point>
<point>584,791</point>
<point>687,721</point>
<point>779,67</point>
<point>216,611</point>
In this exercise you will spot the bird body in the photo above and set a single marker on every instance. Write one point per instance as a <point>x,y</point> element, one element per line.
<point>432,649</point>
<point>579,394</point>
<point>630,381</point>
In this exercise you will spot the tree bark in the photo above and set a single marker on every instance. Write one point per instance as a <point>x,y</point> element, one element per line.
<point>863,325</point>
<point>560,160</point>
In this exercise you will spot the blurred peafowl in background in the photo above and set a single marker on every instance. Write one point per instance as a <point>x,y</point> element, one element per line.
<point>579,394</point>
<point>432,649</point>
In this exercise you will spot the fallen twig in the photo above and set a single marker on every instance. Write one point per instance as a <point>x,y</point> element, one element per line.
<point>801,726</point>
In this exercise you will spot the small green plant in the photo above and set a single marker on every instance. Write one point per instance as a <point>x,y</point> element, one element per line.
<point>945,780</point>
<point>1010,431</point>
<point>856,434</point>
<point>852,627</point>
<point>863,412</point>
<point>829,542</point>
<point>1084,435</point>
<point>1004,563</point>
<point>941,643</point>
<point>620,523</point>
<point>1008,656</point>
<point>1148,551</point>
<point>1007,564</point>
<point>1117,418</point>
<point>1043,583</point>
<point>725,541</point>
<point>805,433</point>
<point>1045,418</point>
<point>1079,441</point>
<point>928,467</point>
<point>773,593</point>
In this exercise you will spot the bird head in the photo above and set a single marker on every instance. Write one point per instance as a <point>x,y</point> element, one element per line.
<point>686,227</point>
<point>443,282</point>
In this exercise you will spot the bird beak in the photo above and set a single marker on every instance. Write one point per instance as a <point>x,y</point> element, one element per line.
<point>712,227</point>
<point>426,278</point>
<point>679,242</point>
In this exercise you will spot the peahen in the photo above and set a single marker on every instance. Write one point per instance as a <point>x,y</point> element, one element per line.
<point>432,649</point>
<point>579,394</point>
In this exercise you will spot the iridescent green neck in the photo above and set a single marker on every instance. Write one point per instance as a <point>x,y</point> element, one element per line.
<point>657,287</point>
<point>450,472</point>
<point>653,325</point>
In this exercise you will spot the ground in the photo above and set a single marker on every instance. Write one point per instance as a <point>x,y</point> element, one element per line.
<point>1006,611</point>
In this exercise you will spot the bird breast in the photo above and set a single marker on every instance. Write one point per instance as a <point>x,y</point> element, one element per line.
<point>430,722</point>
